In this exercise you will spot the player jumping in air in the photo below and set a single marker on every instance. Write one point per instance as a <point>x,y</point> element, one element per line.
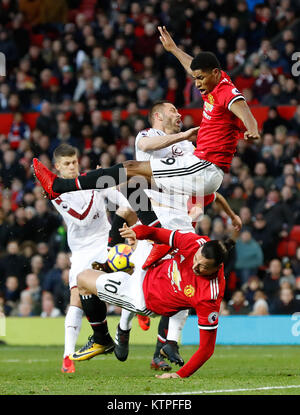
<point>200,173</point>
<point>156,143</point>
<point>192,278</point>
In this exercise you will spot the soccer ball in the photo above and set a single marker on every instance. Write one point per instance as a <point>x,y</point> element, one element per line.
<point>119,258</point>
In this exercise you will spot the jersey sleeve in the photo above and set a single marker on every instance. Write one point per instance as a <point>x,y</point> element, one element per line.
<point>141,134</point>
<point>228,94</point>
<point>208,199</point>
<point>204,352</point>
<point>175,239</point>
<point>115,197</point>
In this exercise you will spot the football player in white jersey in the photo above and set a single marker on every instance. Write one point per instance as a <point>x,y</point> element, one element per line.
<point>87,232</point>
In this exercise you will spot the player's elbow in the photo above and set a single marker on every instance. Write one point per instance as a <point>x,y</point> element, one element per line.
<point>144,146</point>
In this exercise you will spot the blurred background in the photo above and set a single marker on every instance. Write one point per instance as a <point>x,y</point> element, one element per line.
<point>84,72</point>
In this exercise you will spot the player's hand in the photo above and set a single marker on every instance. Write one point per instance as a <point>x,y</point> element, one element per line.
<point>251,135</point>
<point>166,39</point>
<point>237,223</point>
<point>128,233</point>
<point>190,134</point>
<point>168,376</point>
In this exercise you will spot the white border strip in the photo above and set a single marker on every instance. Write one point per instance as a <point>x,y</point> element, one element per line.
<point>232,390</point>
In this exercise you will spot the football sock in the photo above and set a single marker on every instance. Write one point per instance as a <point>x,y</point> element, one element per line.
<point>126,319</point>
<point>95,179</point>
<point>162,335</point>
<point>95,311</point>
<point>114,233</point>
<point>176,323</point>
<point>140,202</point>
<point>73,321</point>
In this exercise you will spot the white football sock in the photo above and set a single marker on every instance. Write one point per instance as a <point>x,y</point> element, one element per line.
<point>176,324</point>
<point>126,319</point>
<point>73,322</point>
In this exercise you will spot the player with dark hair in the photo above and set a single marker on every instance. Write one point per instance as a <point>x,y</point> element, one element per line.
<point>200,173</point>
<point>192,278</point>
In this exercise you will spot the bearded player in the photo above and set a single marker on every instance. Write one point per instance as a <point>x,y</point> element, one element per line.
<point>192,278</point>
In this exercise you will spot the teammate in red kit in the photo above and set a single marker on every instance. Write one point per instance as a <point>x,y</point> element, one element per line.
<point>200,173</point>
<point>192,278</point>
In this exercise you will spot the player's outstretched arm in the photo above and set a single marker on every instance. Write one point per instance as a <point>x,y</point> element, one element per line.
<point>205,351</point>
<point>159,142</point>
<point>170,46</point>
<point>241,109</point>
<point>235,219</point>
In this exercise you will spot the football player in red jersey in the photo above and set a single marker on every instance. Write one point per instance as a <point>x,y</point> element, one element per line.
<point>192,278</point>
<point>200,173</point>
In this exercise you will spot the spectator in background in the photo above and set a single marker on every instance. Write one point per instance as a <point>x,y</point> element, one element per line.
<point>238,304</point>
<point>263,234</point>
<point>285,303</point>
<point>295,262</point>
<point>10,168</point>
<point>274,120</point>
<point>278,215</point>
<point>11,295</point>
<point>48,307</point>
<point>260,306</point>
<point>261,177</point>
<point>273,98</point>
<point>46,121</point>
<point>37,267</point>
<point>249,256</point>
<point>61,294</point>
<point>44,223</point>
<point>53,276</point>
<point>250,287</point>
<point>13,263</point>
<point>33,288</point>
<point>271,279</point>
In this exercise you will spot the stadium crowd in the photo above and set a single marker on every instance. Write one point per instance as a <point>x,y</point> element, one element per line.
<point>71,60</point>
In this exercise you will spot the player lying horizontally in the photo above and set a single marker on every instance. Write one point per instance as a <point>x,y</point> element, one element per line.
<point>192,278</point>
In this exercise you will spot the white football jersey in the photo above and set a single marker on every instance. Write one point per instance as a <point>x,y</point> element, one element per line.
<point>84,213</point>
<point>173,212</point>
<point>174,150</point>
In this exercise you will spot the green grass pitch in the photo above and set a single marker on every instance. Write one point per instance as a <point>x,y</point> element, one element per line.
<point>30,364</point>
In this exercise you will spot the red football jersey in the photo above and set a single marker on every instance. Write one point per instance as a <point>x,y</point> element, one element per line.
<point>219,129</point>
<point>171,285</point>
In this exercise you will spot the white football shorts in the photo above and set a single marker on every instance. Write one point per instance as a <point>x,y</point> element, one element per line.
<point>186,174</point>
<point>81,260</point>
<point>125,290</point>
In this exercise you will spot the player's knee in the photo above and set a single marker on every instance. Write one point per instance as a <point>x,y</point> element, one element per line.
<point>81,280</point>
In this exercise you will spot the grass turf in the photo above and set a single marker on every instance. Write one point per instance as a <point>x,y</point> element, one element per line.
<point>32,366</point>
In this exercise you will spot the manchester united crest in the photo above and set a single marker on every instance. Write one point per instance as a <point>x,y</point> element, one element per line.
<point>211,99</point>
<point>189,290</point>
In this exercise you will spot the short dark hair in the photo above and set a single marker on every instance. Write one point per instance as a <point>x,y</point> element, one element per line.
<point>64,150</point>
<point>206,61</point>
<point>155,107</point>
<point>217,250</point>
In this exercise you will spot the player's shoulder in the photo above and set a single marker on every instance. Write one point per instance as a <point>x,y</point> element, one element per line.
<point>149,132</point>
<point>226,86</point>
